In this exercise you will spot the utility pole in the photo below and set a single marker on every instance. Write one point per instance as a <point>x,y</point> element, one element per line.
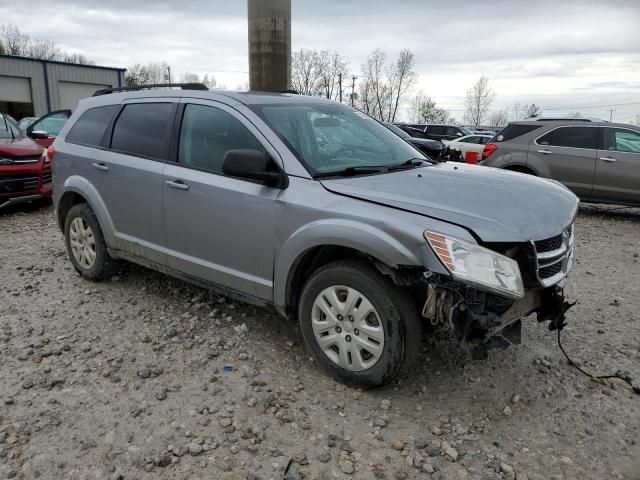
<point>353,88</point>
<point>269,45</point>
<point>340,85</point>
<point>611,115</point>
<point>169,73</point>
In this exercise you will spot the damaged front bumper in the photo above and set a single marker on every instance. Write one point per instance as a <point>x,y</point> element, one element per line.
<point>482,319</point>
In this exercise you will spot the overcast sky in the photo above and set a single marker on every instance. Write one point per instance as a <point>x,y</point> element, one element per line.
<point>563,55</point>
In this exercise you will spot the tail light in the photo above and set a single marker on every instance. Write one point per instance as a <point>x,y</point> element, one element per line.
<point>488,150</point>
<point>51,152</point>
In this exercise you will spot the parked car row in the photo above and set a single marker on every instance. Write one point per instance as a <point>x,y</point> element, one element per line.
<point>598,161</point>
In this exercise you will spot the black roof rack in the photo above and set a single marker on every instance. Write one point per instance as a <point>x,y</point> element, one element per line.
<point>183,86</point>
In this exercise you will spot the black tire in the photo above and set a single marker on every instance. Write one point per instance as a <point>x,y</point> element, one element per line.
<point>397,311</point>
<point>104,266</point>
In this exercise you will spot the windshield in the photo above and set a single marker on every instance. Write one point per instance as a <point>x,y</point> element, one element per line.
<point>398,131</point>
<point>8,129</point>
<point>331,138</point>
<point>466,131</point>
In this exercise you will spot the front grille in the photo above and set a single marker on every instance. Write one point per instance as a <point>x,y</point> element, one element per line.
<point>10,160</point>
<point>18,183</point>
<point>552,257</point>
<point>46,178</point>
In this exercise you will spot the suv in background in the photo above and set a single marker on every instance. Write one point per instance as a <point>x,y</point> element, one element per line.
<point>598,161</point>
<point>25,171</point>
<point>318,210</point>
<point>442,132</point>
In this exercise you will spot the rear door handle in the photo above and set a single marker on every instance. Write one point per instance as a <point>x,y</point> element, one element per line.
<point>608,159</point>
<point>545,151</point>
<point>100,166</point>
<point>177,184</point>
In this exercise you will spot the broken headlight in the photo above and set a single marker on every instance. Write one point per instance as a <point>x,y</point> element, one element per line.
<point>478,266</point>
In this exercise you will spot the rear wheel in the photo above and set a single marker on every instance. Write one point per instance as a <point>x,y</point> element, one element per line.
<point>360,327</point>
<point>85,244</point>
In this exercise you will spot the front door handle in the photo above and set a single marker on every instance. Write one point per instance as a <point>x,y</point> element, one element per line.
<point>100,166</point>
<point>608,159</point>
<point>177,184</point>
<point>544,151</point>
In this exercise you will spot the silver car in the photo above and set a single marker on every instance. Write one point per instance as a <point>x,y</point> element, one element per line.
<point>317,210</point>
<point>598,161</point>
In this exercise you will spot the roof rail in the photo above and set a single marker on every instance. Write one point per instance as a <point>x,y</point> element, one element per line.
<point>130,88</point>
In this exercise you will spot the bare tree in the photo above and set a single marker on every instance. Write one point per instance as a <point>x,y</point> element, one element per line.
<point>575,115</point>
<point>532,111</point>
<point>424,110</point>
<point>153,72</point>
<point>636,121</point>
<point>76,58</point>
<point>44,50</point>
<point>401,78</point>
<point>189,77</point>
<point>374,71</point>
<point>498,118</point>
<point>365,97</point>
<point>330,65</point>
<point>479,99</point>
<point>305,76</point>
<point>14,42</point>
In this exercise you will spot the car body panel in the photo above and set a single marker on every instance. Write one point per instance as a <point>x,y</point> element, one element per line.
<point>477,192</point>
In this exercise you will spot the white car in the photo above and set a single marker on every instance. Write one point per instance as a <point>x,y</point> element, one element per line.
<point>468,143</point>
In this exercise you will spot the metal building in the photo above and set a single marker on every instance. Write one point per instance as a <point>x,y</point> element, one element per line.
<point>32,87</point>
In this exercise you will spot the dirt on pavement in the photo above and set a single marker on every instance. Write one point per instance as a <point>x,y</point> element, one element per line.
<point>148,377</point>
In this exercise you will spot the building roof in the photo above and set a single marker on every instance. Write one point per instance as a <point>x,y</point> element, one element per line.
<point>56,62</point>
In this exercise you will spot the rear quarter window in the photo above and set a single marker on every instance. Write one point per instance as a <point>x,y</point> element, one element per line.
<point>514,131</point>
<point>90,127</point>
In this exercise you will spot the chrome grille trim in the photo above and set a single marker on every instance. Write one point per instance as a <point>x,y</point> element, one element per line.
<point>563,255</point>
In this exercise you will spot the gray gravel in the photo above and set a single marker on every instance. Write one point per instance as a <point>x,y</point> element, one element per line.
<point>146,377</point>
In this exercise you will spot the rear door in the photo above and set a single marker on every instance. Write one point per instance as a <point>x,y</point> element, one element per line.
<point>568,154</point>
<point>218,228</point>
<point>618,166</point>
<point>128,176</point>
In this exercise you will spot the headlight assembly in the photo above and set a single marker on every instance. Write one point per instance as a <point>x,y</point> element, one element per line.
<point>478,266</point>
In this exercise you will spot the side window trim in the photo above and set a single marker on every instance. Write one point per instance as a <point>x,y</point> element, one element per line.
<point>598,143</point>
<point>108,138</point>
<point>248,124</point>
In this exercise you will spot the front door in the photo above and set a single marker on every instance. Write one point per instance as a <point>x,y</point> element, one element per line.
<point>219,228</point>
<point>618,166</point>
<point>50,123</point>
<point>569,153</point>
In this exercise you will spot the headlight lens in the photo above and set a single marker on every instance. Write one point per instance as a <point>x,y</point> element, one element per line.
<point>478,266</point>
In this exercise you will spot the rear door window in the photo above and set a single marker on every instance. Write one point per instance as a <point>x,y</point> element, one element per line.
<point>621,140</point>
<point>143,129</point>
<point>571,137</point>
<point>90,127</point>
<point>453,131</point>
<point>437,130</point>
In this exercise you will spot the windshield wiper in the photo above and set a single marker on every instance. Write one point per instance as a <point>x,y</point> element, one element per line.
<point>411,163</point>
<point>353,170</point>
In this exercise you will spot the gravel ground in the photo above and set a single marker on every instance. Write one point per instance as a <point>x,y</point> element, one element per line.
<point>146,377</point>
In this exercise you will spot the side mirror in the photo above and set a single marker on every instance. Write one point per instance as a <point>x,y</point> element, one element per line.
<point>254,165</point>
<point>38,134</point>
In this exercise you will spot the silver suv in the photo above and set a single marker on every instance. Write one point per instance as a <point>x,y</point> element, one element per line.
<point>598,161</point>
<point>318,210</point>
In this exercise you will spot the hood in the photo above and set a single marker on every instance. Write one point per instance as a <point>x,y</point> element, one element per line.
<point>19,147</point>
<point>432,144</point>
<point>498,205</point>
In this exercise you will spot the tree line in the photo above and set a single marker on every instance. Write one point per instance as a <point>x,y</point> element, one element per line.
<point>14,42</point>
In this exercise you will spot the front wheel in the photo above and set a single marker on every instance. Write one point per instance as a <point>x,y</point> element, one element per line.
<point>360,327</point>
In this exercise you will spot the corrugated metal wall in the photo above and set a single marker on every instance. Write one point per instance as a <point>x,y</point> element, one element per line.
<point>54,73</point>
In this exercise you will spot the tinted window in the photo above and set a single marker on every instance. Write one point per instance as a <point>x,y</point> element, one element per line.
<point>143,129</point>
<point>621,140</point>
<point>574,137</point>
<point>453,131</point>
<point>51,124</point>
<point>514,131</point>
<point>91,125</point>
<point>437,130</point>
<point>483,140</point>
<point>207,134</point>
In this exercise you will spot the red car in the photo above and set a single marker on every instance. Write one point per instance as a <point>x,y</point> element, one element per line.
<point>25,168</point>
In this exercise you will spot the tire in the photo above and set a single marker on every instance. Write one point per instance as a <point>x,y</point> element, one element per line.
<point>373,360</point>
<point>81,227</point>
